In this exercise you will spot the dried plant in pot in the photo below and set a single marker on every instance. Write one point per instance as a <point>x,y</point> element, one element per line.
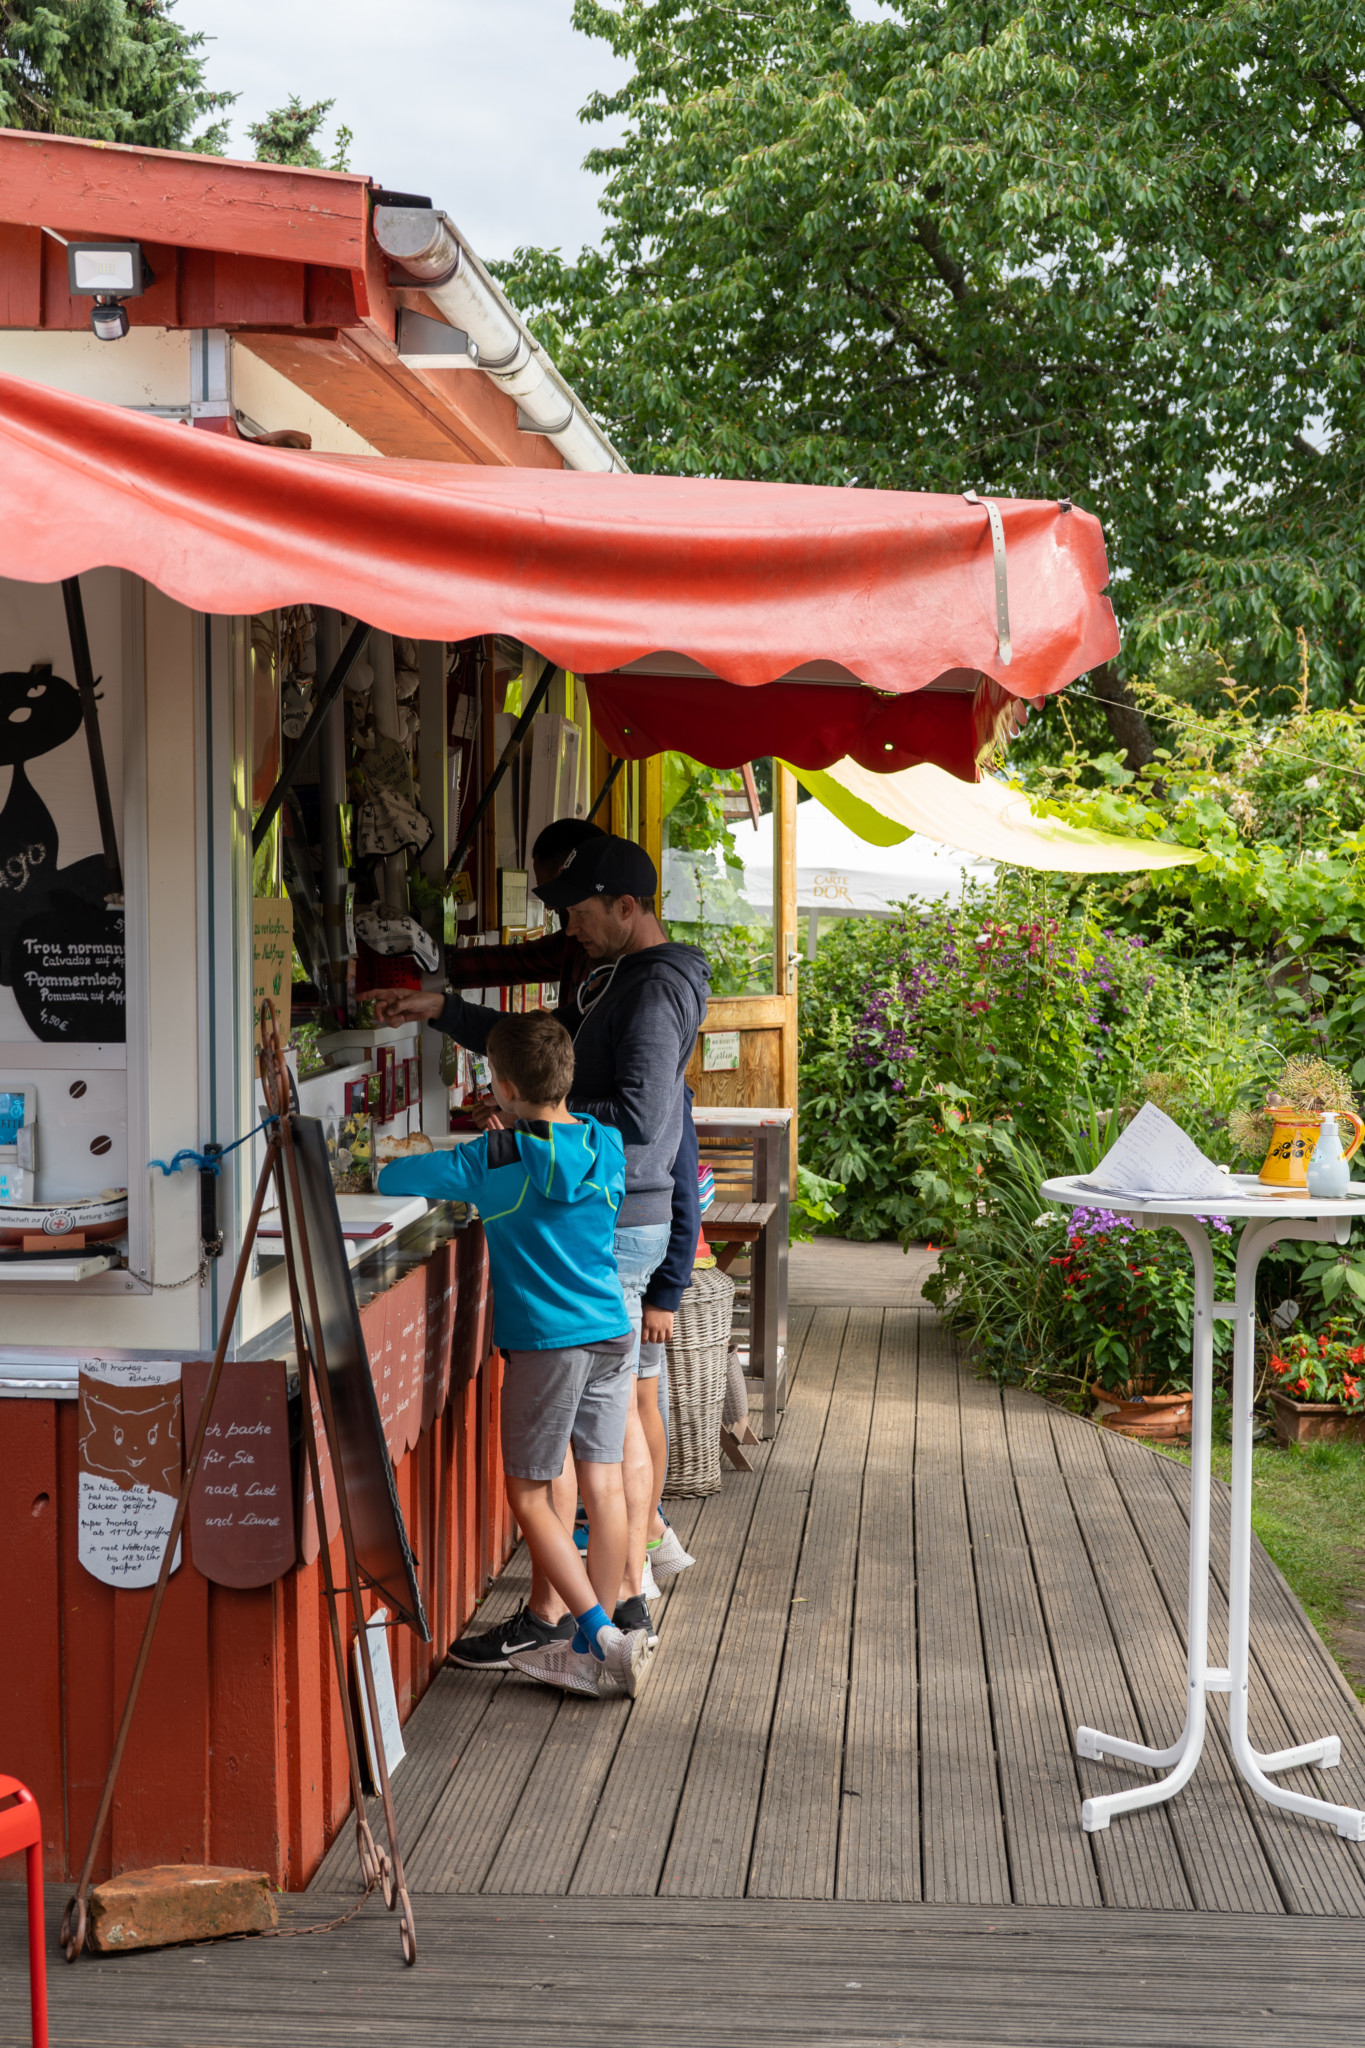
<point>1283,1132</point>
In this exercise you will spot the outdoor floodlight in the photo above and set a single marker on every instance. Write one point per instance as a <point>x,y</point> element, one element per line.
<point>108,273</point>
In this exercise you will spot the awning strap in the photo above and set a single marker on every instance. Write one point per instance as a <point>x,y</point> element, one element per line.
<point>1002,593</point>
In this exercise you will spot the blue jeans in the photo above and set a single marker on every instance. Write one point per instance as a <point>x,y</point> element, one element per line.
<point>640,1250</point>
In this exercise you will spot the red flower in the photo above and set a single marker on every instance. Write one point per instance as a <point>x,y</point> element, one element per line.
<point>1300,1387</point>
<point>1280,1366</point>
<point>1357,1357</point>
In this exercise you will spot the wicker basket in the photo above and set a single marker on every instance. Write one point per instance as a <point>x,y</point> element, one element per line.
<point>696,1383</point>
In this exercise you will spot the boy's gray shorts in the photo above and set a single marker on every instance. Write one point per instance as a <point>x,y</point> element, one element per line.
<point>552,1398</point>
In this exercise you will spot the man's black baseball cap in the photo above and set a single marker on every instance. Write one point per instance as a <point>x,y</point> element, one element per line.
<point>601,867</point>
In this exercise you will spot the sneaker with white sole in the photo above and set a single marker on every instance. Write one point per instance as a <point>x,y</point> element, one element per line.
<point>627,1657</point>
<point>634,1613</point>
<point>649,1585</point>
<point>561,1664</point>
<point>668,1557</point>
<point>491,1650</point>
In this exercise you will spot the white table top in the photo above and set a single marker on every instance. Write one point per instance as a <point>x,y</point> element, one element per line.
<point>1245,1197</point>
<point>708,1115</point>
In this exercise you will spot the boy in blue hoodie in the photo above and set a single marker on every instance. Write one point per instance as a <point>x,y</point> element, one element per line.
<point>547,1190</point>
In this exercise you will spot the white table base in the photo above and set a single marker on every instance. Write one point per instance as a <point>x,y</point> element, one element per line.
<point>1180,1759</point>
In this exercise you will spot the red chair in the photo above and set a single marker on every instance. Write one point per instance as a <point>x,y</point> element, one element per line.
<point>21,1828</point>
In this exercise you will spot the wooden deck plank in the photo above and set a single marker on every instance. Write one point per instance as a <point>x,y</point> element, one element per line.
<point>961,1828</point>
<point>1220,1851</point>
<point>713,1832</point>
<point>830,1271</point>
<point>879,1855</point>
<point>777,1975</point>
<point>466,1826</point>
<point>1050,1858</point>
<point>796,1842</point>
<point>630,1832</point>
<point>546,1830</point>
<point>434,1736</point>
<point>1137,1864</point>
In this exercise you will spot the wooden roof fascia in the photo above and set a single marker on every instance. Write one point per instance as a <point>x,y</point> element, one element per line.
<point>274,212</point>
<point>197,208</point>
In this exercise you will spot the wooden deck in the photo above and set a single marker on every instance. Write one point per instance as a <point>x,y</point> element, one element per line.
<point>865,1688</point>
<point>845,1809</point>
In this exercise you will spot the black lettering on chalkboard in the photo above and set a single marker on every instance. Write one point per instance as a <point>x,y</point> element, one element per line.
<point>61,943</point>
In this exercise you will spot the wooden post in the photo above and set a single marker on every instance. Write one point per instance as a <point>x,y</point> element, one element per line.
<point>786,961</point>
<point>651,815</point>
<point>488,757</point>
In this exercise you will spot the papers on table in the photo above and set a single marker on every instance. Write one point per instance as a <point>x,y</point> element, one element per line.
<point>1154,1158</point>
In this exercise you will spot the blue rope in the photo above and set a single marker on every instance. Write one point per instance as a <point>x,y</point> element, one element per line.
<point>208,1162</point>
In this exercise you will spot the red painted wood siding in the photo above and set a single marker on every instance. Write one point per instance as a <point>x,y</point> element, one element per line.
<point>237,1753</point>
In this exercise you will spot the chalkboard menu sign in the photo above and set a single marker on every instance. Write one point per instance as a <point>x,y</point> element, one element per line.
<point>61,906</point>
<point>67,970</point>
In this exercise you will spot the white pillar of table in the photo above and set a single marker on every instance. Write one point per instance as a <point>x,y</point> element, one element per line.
<point>1326,1751</point>
<point>1201,1678</point>
<point>1184,1752</point>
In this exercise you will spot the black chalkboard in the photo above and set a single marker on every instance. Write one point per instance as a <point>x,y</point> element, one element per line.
<point>383,1552</point>
<point>67,968</point>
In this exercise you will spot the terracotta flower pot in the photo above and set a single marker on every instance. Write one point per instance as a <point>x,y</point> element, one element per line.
<point>1152,1415</point>
<point>1315,1422</point>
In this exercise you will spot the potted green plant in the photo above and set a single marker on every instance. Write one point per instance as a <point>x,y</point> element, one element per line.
<point>1318,1390</point>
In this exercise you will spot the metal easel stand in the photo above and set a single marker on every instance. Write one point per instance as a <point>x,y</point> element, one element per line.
<point>378,1867</point>
<point>1202,1678</point>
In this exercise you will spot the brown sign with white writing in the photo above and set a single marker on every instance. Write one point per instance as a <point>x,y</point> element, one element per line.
<point>410,1304</point>
<point>473,1308</point>
<point>442,1284</point>
<point>241,1518</point>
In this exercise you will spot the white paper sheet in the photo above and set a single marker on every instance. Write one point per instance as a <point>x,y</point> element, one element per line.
<point>1152,1158</point>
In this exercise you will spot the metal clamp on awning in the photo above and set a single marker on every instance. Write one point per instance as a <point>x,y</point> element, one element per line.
<point>1002,591</point>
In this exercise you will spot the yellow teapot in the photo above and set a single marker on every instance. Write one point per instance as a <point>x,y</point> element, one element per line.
<point>1295,1134</point>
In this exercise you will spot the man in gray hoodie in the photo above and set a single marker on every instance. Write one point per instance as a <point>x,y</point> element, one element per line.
<point>640,1006</point>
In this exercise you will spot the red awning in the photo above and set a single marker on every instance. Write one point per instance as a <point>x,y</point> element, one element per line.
<point>812,725</point>
<point>751,580</point>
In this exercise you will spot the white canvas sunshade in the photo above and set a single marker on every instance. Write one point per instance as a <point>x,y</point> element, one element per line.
<point>986,818</point>
<point>839,873</point>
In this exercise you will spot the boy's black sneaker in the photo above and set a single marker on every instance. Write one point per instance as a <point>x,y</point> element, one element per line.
<point>525,1631</point>
<point>632,1614</point>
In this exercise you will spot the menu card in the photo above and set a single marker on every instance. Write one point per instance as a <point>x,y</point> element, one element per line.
<point>1153,1159</point>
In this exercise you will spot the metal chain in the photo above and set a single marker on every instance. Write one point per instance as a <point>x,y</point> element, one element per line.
<point>199,1275</point>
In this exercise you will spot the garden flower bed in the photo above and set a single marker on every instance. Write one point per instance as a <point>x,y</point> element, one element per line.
<point>1318,1392</point>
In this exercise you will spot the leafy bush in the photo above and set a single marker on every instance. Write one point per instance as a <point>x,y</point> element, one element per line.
<point>932,1041</point>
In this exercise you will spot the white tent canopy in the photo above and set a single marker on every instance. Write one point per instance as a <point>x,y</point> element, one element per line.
<point>839,874</point>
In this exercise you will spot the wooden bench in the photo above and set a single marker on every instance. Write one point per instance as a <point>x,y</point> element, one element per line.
<point>749,1152</point>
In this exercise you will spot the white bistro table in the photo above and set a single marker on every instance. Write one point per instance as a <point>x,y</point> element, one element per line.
<point>1269,1220</point>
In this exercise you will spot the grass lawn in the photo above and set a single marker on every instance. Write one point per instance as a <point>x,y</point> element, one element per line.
<point>1308,1508</point>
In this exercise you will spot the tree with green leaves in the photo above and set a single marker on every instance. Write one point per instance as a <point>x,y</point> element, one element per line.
<point>287,136</point>
<point>1105,252</point>
<point>113,70</point>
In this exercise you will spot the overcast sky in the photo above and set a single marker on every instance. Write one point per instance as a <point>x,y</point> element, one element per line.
<point>474,102</point>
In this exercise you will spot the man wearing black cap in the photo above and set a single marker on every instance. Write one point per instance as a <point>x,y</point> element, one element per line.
<point>640,1006</point>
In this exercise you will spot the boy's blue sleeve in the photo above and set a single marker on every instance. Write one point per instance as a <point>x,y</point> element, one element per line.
<point>453,1175</point>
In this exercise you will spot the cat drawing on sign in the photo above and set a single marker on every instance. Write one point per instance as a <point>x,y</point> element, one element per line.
<point>39,712</point>
<point>132,1436</point>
